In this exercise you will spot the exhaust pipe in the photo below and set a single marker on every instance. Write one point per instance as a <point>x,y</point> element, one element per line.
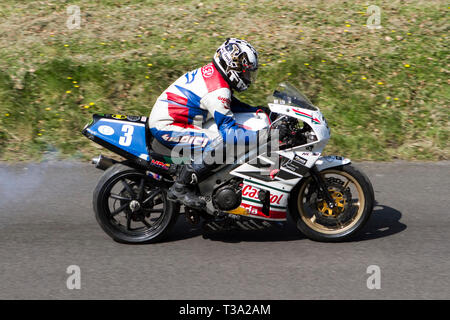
<point>102,162</point>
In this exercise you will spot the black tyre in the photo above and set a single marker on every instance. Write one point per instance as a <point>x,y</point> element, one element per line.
<point>132,207</point>
<point>354,197</point>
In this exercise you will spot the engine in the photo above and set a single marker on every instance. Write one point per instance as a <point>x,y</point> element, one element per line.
<point>228,196</point>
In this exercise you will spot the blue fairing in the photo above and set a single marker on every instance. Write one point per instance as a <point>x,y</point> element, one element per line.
<point>126,135</point>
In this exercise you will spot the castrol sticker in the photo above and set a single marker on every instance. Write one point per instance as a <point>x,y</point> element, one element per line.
<point>252,193</point>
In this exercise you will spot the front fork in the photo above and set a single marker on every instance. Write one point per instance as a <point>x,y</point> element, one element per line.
<point>323,190</point>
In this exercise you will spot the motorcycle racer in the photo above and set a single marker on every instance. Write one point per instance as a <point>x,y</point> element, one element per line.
<point>181,111</point>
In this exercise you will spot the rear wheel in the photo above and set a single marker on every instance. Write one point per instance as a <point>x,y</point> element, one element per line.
<point>131,207</point>
<point>353,196</point>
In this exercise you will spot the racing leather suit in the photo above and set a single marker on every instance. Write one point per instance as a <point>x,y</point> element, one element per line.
<point>182,110</point>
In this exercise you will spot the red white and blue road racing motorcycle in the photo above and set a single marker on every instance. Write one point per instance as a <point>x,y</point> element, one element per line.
<point>327,197</point>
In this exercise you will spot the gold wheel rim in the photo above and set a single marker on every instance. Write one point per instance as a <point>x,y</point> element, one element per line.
<point>311,221</point>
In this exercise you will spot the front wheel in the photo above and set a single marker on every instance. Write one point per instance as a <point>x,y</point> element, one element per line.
<point>132,207</point>
<point>353,196</point>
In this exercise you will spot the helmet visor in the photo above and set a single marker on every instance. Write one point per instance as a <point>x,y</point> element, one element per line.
<point>249,75</point>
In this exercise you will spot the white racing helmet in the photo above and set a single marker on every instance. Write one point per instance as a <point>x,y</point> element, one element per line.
<point>237,60</point>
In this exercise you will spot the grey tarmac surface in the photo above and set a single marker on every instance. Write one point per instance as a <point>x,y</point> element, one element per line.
<point>47,223</point>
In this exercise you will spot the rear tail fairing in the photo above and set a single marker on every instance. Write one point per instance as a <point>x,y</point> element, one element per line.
<point>127,136</point>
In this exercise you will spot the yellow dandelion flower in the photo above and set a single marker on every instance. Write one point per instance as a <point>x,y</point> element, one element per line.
<point>69,78</point>
<point>147,77</point>
<point>409,33</point>
<point>406,65</point>
<point>164,39</point>
<point>149,64</point>
<point>92,104</point>
<point>66,45</point>
<point>209,12</point>
<point>340,55</point>
<point>348,25</point>
<point>264,64</point>
<point>74,82</point>
<point>289,74</point>
<point>48,109</point>
<point>306,64</point>
<point>7,114</point>
<point>349,80</point>
<point>388,98</point>
<point>324,60</point>
<point>39,134</point>
<point>195,22</point>
<point>139,35</point>
<point>283,60</point>
<point>345,30</point>
<point>300,31</point>
<point>68,91</point>
<point>396,99</point>
<point>86,107</point>
<point>172,47</point>
<point>380,83</point>
<point>364,78</point>
<point>76,86</point>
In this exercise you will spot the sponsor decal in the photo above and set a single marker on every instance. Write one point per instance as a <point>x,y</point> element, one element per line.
<point>119,116</point>
<point>154,175</point>
<point>106,130</point>
<point>296,165</point>
<point>257,211</point>
<point>308,154</point>
<point>208,71</point>
<point>134,118</point>
<point>300,113</point>
<point>160,164</point>
<point>332,158</point>
<point>193,140</point>
<point>251,192</point>
<point>300,159</point>
<point>226,102</point>
<point>191,78</point>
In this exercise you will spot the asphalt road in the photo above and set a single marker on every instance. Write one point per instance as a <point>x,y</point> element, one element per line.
<point>47,223</point>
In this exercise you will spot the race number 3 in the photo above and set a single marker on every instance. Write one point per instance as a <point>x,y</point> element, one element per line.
<point>125,140</point>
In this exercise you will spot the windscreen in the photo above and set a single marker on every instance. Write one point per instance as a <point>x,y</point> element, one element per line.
<point>287,94</point>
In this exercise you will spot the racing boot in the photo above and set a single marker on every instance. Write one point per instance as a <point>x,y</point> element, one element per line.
<point>183,190</point>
